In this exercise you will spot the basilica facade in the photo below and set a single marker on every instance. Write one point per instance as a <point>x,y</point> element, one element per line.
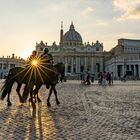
<point>80,57</point>
<point>77,56</point>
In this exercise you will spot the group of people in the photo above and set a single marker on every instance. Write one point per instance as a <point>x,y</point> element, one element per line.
<point>105,78</point>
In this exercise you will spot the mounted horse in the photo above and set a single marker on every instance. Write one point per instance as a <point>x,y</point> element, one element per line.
<point>30,76</point>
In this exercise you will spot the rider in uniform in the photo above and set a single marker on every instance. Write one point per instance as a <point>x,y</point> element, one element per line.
<point>47,58</point>
<point>32,56</point>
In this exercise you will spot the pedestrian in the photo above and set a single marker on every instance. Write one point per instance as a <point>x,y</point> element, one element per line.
<point>88,79</point>
<point>109,78</point>
<point>100,78</point>
<point>104,76</point>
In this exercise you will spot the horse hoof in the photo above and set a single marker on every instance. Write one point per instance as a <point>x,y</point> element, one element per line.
<point>57,102</point>
<point>48,104</point>
<point>9,104</point>
<point>22,101</point>
<point>39,100</point>
<point>29,100</point>
<point>33,105</point>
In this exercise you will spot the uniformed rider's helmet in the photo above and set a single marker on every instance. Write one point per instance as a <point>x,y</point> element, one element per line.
<point>46,50</point>
<point>34,52</point>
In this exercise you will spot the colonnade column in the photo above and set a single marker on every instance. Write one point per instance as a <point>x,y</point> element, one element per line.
<point>101,64</point>
<point>134,70</point>
<point>85,67</point>
<point>123,70</point>
<point>66,65</point>
<point>139,70</point>
<point>92,61</point>
<point>78,64</point>
<point>116,70</point>
<point>72,65</point>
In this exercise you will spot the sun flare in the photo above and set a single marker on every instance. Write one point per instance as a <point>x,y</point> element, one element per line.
<point>34,62</point>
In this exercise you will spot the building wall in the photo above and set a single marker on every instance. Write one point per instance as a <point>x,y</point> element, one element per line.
<point>9,62</point>
<point>126,60</point>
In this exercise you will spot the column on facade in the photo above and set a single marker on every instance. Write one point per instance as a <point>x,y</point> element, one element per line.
<point>123,70</point>
<point>130,67</point>
<point>71,64</point>
<point>77,64</point>
<point>2,67</point>
<point>85,67</point>
<point>115,69</point>
<point>92,65</point>
<point>8,66</point>
<point>139,70</point>
<point>66,65</point>
<point>101,64</point>
<point>134,70</point>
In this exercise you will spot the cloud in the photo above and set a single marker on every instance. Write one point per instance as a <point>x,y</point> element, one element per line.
<point>102,24</point>
<point>87,11</point>
<point>130,9</point>
<point>124,35</point>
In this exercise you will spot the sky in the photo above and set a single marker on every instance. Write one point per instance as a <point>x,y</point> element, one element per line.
<point>23,23</point>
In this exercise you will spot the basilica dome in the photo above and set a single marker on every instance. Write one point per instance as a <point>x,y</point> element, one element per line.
<point>72,35</point>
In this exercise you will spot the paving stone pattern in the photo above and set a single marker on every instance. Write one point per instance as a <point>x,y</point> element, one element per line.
<point>85,113</point>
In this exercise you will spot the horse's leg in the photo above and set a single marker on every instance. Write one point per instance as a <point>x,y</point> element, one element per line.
<point>8,99</point>
<point>31,96</point>
<point>48,100</point>
<point>18,91</point>
<point>25,92</point>
<point>36,92</point>
<point>55,93</point>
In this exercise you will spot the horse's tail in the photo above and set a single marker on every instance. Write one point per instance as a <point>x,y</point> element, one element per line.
<point>8,83</point>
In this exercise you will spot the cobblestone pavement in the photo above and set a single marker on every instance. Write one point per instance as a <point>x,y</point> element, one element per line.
<point>85,113</point>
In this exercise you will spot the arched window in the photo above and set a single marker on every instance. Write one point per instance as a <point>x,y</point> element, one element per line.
<point>41,49</point>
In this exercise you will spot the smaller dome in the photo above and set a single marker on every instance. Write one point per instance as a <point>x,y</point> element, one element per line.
<point>72,35</point>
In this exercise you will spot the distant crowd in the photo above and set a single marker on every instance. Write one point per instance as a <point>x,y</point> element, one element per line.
<point>104,78</point>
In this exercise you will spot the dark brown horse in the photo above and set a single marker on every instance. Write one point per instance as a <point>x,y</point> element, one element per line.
<point>31,77</point>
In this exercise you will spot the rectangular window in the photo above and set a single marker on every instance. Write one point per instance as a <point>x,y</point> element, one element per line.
<point>82,60</point>
<point>4,66</point>
<point>97,48</point>
<point>12,65</point>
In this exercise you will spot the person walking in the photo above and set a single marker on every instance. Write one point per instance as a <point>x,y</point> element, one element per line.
<point>88,79</point>
<point>104,76</point>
